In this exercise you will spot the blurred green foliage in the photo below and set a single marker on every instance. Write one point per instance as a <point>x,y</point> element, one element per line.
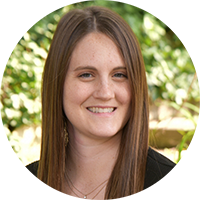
<point>170,71</point>
<point>191,112</point>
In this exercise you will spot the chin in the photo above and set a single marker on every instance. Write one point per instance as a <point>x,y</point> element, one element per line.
<point>106,133</point>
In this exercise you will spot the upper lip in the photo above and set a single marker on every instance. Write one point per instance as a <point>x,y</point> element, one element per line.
<point>101,106</point>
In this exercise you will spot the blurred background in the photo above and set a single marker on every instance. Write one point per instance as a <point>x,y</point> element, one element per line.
<point>172,81</point>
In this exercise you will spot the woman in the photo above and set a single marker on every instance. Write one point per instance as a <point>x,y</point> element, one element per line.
<point>95,113</point>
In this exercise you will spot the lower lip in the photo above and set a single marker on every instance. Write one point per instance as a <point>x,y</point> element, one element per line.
<point>103,114</point>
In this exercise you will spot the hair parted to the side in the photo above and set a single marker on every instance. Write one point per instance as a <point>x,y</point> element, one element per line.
<point>129,171</point>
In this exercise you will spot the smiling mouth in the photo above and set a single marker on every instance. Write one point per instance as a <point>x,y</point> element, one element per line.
<point>101,110</point>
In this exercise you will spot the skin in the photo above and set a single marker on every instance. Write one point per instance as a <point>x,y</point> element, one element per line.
<point>96,77</point>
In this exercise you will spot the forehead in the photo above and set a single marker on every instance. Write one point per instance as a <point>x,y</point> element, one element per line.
<point>96,47</point>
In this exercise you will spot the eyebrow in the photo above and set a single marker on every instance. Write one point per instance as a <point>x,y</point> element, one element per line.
<point>93,68</point>
<point>85,67</point>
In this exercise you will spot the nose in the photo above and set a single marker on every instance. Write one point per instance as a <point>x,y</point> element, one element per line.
<point>104,90</point>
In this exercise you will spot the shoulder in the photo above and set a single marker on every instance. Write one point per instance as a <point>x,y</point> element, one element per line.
<point>32,167</point>
<point>159,176</point>
<point>158,166</point>
<point>156,160</point>
<point>31,170</point>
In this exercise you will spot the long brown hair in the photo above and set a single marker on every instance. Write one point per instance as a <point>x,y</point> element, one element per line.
<point>129,171</point>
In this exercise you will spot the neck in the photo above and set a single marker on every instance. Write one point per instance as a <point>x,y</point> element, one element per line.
<point>91,162</point>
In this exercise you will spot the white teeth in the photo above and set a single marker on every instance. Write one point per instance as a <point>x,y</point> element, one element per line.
<point>100,110</point>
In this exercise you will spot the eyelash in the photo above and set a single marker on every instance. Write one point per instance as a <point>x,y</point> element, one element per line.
<point>85,75</point>
<point>120,75</point>
<point>89,75</point>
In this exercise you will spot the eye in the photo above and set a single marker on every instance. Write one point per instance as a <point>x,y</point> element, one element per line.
<point>120,75</point>
<point>86,75</point>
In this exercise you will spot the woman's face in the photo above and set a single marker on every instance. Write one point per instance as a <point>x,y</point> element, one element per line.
<point>97,94</point>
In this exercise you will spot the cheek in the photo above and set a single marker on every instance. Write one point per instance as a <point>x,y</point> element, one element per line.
<point>126,99</point>
<point>74,94</point>
<point>69,97</point>
<point>124,96</point>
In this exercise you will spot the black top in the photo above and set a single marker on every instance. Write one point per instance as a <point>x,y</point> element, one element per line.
<point>157,167</point>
